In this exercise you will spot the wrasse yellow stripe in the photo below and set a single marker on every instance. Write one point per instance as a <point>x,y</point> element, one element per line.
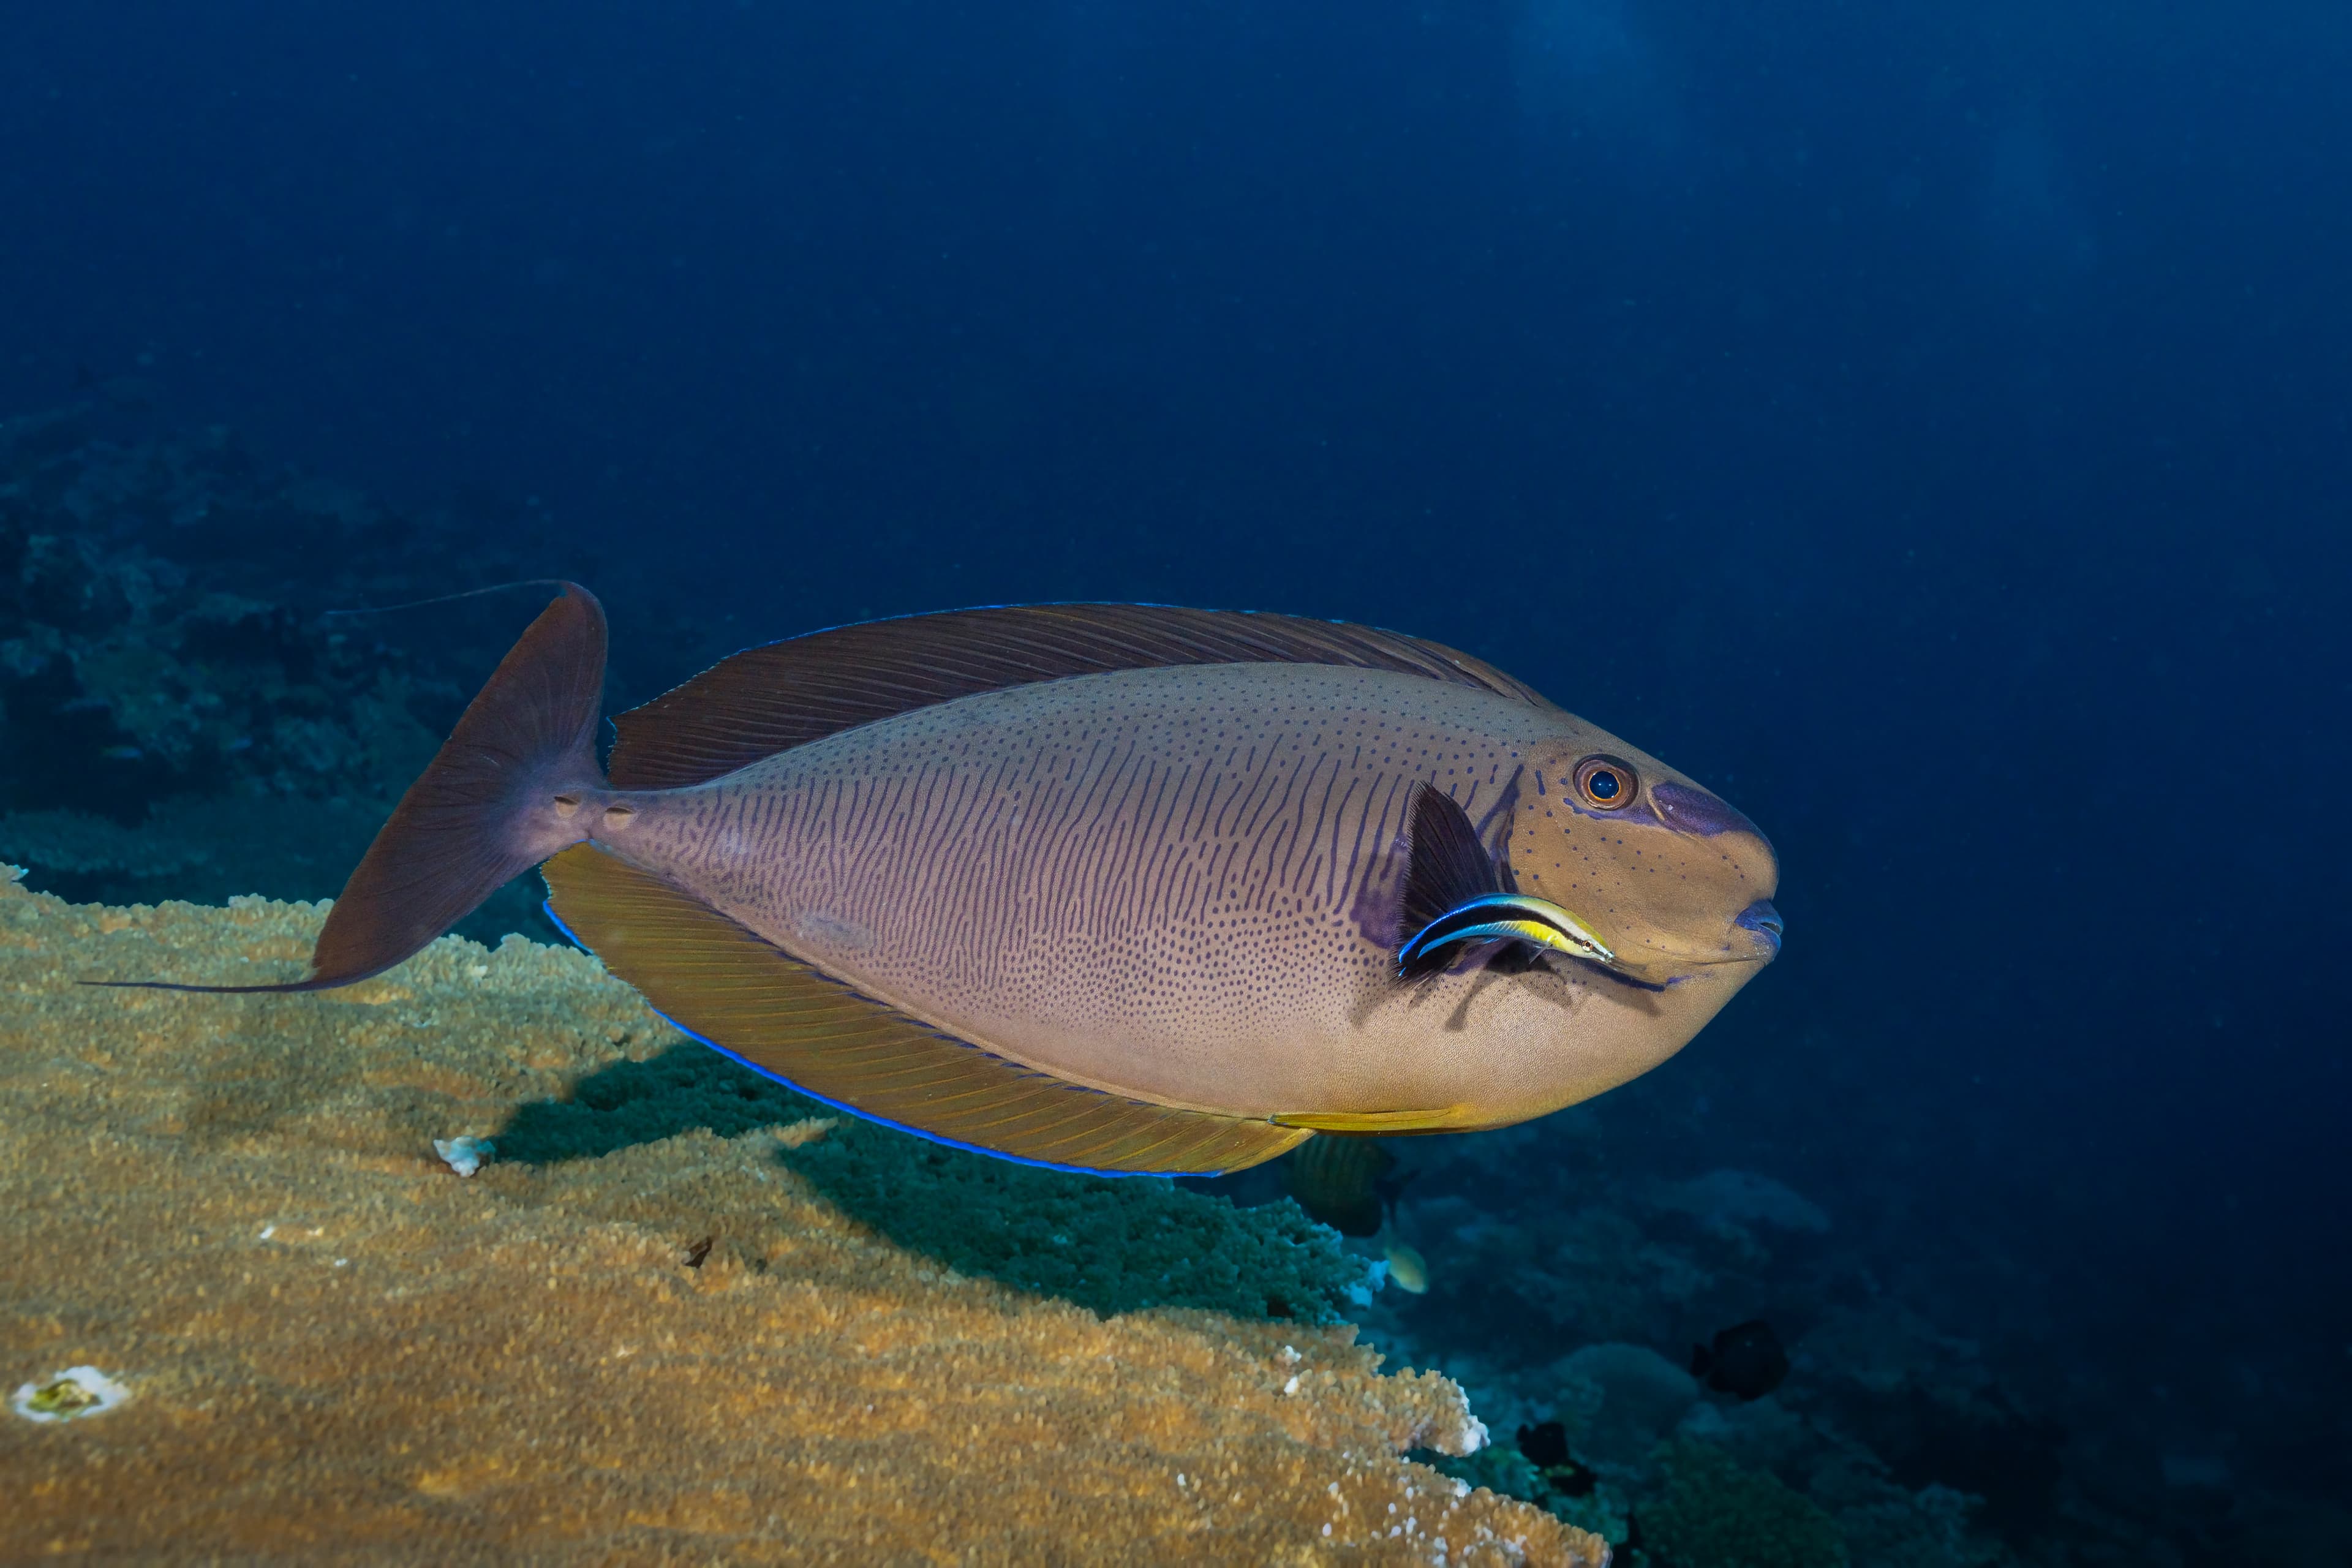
<point>1536,931</point>
<point>1514,917</point>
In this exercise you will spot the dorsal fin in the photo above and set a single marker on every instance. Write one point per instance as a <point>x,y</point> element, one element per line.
<point>733,990</point>
<point>767,699</point>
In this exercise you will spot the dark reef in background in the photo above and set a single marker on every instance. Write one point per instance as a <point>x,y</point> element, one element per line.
<point>171,725</point>
<point>1928,425</point>
<point>177,721</point>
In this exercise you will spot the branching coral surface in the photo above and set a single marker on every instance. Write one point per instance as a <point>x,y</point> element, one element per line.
<point>673,1349</point>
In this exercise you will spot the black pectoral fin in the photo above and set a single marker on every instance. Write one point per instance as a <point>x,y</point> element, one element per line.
<point>1445,866</point>
<point>1458,905</point>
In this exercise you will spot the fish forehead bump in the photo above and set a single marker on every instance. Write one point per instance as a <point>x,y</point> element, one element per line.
<point>1700,812</point>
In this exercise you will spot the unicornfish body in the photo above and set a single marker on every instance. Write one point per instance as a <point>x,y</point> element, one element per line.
<point>1111,887</point>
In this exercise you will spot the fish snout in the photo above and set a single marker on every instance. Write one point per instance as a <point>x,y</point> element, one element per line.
<point>1763,925</point>
<point>1700,813</point>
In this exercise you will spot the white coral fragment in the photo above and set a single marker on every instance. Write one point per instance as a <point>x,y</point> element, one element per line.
<point>69,1396</point>
<point>466,1155</point>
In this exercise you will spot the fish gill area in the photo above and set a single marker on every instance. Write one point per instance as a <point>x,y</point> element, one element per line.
<point>675,1312</point>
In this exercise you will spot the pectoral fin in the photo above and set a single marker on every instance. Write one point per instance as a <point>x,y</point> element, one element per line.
<point>1456,897</point>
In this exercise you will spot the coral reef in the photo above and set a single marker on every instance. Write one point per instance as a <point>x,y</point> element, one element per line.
<point>1567,1494</point>
<point>169,725</point>
<point>114,472</point>
<point>112,654</point>
<point>1620,1401</point>
<point>1896,1438</point>
<point>1932,1528</point>
<point>1714,1514</point>
<point>175,722</point>
<point>136,705</point>
<point>628,1335</point>
<point>178,720</point>
<point>124,685</point>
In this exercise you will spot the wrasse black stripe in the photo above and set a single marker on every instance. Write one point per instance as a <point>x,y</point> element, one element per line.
<point>1494,917</point>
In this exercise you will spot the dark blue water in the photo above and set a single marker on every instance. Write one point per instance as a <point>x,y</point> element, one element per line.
<point>1929,426</point>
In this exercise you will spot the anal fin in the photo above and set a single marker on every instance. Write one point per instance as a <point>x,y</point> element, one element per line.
<point>751,1000</point>
<point>1389,1123</point>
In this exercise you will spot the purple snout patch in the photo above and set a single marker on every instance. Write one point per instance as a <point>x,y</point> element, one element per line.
<point>1697,812</point>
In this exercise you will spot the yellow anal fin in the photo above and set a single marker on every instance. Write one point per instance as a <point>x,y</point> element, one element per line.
<point>749,998</point>
<point>1389,1123</point>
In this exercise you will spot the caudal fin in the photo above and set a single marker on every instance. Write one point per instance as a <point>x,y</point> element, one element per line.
<point>485,810</point>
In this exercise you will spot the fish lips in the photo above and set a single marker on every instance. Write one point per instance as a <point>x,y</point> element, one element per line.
<point>1763,925</point>
<point>1756,930</point>
<point>1753,937</point>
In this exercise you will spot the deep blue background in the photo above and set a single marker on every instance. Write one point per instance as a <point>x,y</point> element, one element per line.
<point>1931,425</point>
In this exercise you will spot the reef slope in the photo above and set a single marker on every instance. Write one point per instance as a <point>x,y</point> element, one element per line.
<point>336,1348</point>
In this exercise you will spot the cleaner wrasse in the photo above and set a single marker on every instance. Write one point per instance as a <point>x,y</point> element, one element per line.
<point>1112,888</point>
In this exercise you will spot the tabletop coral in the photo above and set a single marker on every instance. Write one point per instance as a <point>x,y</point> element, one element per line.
<point>658,1341</point>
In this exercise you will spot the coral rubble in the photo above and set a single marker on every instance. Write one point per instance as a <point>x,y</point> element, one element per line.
<point>639,1333</point>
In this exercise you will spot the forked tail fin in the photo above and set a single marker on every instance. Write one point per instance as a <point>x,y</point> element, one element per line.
<point>485,811</point>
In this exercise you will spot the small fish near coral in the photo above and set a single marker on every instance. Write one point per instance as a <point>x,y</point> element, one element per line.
<point>1351,1184</point>
<point>1746,1361</point>
<point>1408,1270</point>
<point>1114,888</point>
<point>1545,1446</point>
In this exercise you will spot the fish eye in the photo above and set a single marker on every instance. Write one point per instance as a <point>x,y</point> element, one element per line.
<point>1605,783</point>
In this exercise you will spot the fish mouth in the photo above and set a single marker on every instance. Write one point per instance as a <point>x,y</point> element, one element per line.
<point>1753,937</point>
<point>1764,926</point>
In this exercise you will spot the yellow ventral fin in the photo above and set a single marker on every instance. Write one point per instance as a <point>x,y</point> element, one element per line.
<point>716,979</point>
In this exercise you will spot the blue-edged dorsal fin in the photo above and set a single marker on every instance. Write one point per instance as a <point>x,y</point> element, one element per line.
<point>785,694</point>
<point>733,990</point>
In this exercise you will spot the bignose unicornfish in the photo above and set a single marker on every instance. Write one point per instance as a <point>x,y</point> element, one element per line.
<point>1111,887</point>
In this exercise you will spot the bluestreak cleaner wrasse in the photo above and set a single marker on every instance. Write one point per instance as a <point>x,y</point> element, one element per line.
<point>1107,887</point>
